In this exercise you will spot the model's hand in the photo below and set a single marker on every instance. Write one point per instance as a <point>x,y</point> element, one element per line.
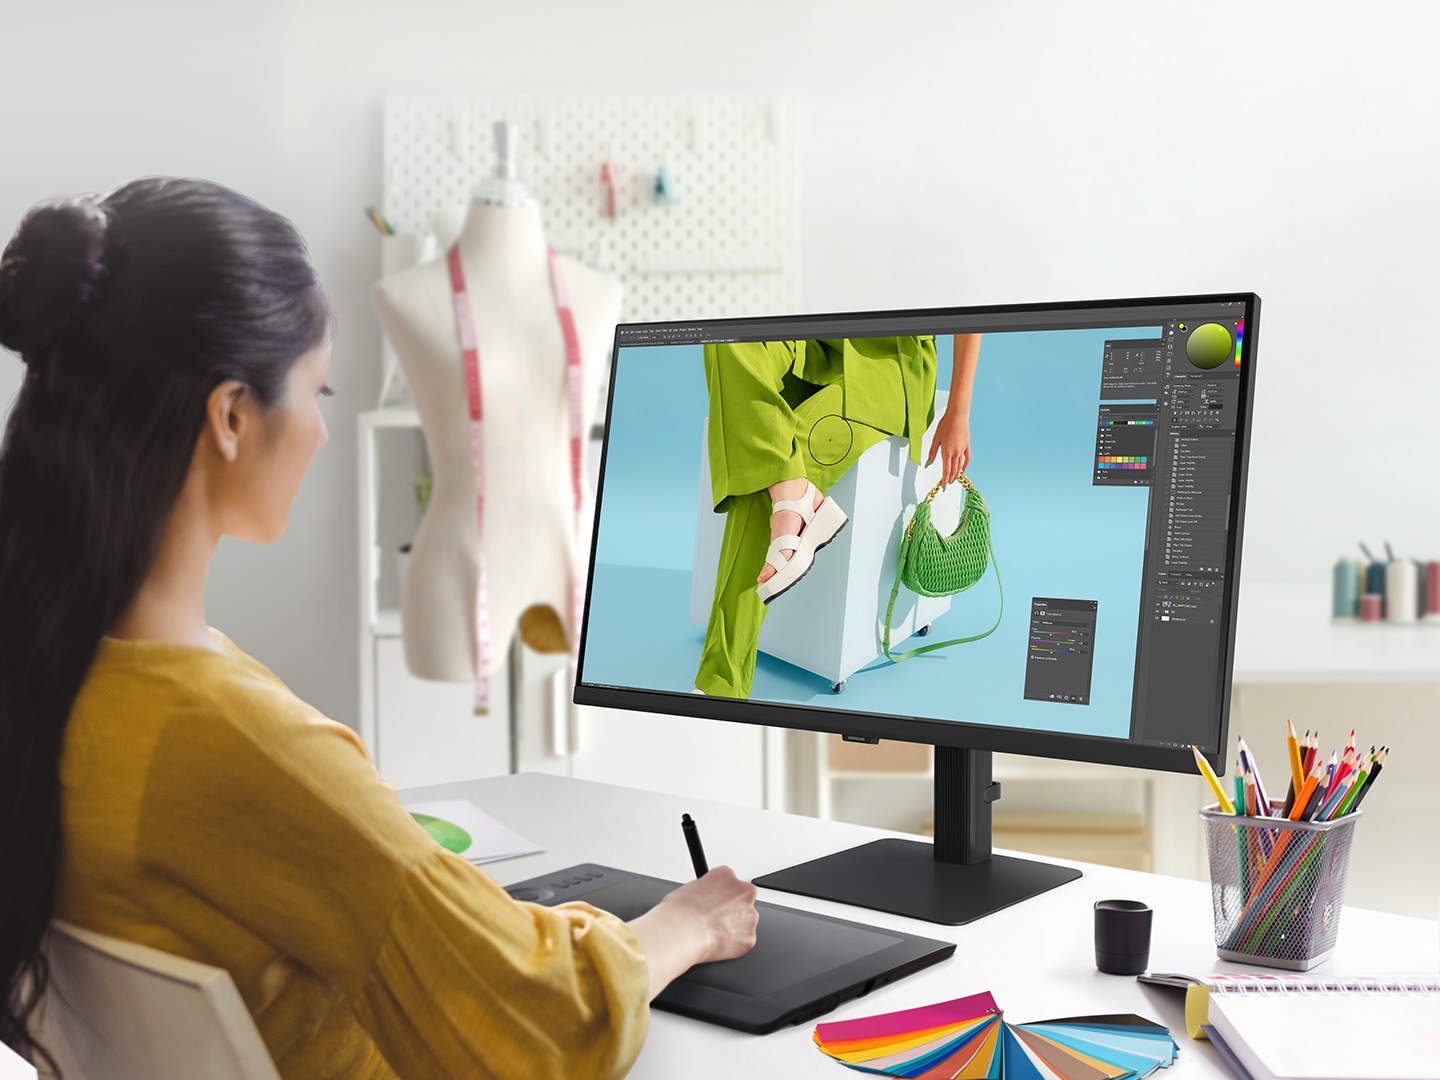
<point>710,918</point>
<point>952,444</point>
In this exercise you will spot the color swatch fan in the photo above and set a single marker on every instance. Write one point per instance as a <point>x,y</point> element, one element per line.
<point>968,1039</point>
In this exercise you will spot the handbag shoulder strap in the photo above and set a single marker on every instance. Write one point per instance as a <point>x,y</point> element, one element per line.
<point>895,592</point>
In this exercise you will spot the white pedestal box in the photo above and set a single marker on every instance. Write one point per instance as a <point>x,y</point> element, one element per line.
<point>829,623</point>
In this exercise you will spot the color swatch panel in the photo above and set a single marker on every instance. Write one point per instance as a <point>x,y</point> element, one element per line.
<point>968,1039</point>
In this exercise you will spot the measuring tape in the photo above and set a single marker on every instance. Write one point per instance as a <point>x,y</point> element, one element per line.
<point>475,400</point>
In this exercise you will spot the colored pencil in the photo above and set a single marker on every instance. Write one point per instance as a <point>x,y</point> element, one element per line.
<point>1307,792</point>
<point>1329,781</point>
<point>1313,805</point>
<point>1292,744</point>
<point>1241,833</point>
<point>1370,780</point>
<point>1348,803</point>
<point>1347,764</point>
<point>1214,782</point>
<point>1262,797</point>
<point>1334,799</point>
<point>386,229</point>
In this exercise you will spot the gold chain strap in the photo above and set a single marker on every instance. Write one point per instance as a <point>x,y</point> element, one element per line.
<point>964,482</point>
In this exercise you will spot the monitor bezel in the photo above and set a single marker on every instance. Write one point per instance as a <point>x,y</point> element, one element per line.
<point>927,730</point>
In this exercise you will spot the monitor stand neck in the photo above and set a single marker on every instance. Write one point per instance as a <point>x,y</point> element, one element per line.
<point>955,880</point>
<point>964,791</point>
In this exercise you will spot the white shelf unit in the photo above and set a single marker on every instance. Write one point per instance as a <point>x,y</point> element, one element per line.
<point>375,623</point>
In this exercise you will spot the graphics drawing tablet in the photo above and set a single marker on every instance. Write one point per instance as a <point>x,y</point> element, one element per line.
<point>802,966</point>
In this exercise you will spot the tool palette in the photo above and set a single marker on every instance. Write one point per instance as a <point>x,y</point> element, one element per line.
<point>968,1039</point>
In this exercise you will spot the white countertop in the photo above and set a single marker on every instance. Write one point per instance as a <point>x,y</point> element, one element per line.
<point>1285,635</point>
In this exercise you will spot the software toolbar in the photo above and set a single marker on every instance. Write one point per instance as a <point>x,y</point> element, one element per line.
<point>1188,538</point>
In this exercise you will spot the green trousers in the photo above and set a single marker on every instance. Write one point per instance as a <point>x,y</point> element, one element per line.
<point>780,410</point>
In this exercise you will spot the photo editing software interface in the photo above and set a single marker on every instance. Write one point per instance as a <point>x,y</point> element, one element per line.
<point>1102,441</point>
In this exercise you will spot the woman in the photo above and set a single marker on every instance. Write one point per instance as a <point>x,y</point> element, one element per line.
<point>787,420</point>
<point>157,784</point>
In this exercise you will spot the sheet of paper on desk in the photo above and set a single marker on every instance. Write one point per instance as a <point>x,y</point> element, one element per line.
<point>462,827</point>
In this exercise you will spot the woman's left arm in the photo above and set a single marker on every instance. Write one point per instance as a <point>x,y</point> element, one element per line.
<point>952,434</point>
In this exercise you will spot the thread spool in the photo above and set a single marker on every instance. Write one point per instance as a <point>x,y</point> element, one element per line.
<point>1401,583</point>
<point>1375,580</point>
<point>1371,607</point>
<point>1432,592</point>
<point>1345,591</point>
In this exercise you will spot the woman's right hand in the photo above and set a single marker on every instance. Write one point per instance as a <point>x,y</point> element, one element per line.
<point>710,918</point>
<point>724,907</point>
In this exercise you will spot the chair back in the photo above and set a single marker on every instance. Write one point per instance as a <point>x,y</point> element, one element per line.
<point>118,1011</point>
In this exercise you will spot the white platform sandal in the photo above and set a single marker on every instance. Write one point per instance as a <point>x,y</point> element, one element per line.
<point>822,523</point>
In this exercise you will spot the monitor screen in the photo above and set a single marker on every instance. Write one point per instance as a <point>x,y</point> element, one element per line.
<point>1071,593</point>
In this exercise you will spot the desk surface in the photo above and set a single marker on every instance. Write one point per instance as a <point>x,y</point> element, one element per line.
<point>1285,635</point>
<point>1037,957</point>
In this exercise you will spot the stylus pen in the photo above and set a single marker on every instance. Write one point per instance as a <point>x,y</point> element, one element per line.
<point>692,841</point>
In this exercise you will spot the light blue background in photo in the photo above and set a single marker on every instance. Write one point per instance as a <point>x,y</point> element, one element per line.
<point>1033,423</point>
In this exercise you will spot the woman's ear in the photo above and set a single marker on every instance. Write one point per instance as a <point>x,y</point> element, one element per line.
<point>224,418</point>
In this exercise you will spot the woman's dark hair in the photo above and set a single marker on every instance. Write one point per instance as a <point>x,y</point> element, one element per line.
<point>128,309</point>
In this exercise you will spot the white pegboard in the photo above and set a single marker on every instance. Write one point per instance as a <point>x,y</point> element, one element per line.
<point>728,246</point>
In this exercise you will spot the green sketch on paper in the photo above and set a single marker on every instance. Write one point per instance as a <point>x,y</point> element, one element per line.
<point>446,833</point>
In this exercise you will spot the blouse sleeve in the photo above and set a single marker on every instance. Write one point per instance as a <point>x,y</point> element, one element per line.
<point>282,824</point>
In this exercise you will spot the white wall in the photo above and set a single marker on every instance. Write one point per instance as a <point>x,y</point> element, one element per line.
<point>953,153</point>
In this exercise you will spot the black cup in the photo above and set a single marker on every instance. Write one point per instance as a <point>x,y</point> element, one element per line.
<point>1122,936</point>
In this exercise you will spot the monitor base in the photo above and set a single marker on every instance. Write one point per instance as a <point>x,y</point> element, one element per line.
<point>903,877</point>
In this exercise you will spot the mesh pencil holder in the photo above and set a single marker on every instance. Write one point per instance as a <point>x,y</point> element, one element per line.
<point>1277,886</point>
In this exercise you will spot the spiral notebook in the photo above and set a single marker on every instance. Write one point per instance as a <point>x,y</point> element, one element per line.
<point>1295,1027</point>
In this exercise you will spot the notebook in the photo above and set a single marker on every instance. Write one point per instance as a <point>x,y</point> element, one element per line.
<point>1294,1027</point>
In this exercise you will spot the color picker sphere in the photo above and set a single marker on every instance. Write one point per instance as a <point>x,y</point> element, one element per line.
<point>1209,346</point>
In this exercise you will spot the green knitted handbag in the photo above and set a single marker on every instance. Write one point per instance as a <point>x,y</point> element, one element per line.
<point>935,565</point>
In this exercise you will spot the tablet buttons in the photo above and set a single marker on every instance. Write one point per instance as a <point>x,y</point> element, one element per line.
<point>531,895</point>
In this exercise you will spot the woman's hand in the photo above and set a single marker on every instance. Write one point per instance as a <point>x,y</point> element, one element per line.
<point>710,918</point>
<point>724,907</point>
<point>951,443</point>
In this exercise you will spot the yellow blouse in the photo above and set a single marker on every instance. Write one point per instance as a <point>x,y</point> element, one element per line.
<point>211,813</point>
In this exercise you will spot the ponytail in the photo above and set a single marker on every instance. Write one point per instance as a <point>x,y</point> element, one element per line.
<point>127,309</point>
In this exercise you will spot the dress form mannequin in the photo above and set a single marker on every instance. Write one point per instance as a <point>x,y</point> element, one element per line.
<point>530,535</point>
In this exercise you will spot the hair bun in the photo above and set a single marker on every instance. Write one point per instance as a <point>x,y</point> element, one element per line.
<point>49,271</point>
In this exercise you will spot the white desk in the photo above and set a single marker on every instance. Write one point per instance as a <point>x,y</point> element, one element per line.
<point>1037,957</point>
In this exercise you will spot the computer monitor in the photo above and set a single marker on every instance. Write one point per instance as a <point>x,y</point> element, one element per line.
<point>1107,440</point>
